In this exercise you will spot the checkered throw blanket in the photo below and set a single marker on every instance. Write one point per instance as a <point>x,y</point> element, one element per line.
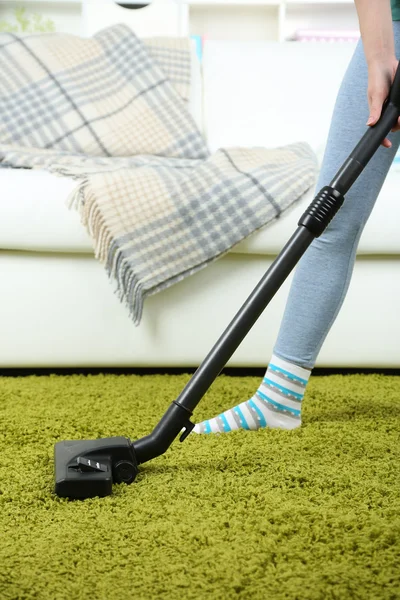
<point>112,112</point>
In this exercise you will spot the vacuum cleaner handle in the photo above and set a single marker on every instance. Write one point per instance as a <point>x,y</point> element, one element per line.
<point>371,140</point>
<point>394,96</point>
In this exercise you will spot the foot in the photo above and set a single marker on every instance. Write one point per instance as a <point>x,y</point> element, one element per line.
<point>276,403</point>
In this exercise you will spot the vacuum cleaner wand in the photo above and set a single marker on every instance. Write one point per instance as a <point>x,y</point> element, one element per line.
<point>88,468</point>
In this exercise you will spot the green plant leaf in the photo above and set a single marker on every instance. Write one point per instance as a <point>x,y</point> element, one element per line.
<point>7,27</point>
<point>25,23</point>
<point>21,19</point>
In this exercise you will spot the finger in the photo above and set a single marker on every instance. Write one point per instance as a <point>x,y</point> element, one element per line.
<point>386,143</point>
<point>375,109</point>
<point>397,126</point>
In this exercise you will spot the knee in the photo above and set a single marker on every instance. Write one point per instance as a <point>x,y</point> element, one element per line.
<point>341,233</point>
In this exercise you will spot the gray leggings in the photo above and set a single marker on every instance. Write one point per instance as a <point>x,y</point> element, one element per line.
<point>323,274</point>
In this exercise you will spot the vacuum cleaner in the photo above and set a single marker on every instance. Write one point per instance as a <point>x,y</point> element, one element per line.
<point>88,468</point>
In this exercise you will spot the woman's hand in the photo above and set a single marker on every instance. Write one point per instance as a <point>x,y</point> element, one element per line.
<point>381,73</point>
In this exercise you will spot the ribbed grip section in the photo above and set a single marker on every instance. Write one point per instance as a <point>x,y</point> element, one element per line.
<point>322,210</point>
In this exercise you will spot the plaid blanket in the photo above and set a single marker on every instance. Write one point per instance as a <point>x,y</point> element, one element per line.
<point>112,112</point>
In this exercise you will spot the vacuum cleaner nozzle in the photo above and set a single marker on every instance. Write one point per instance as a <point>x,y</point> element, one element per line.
<point>88,468</point>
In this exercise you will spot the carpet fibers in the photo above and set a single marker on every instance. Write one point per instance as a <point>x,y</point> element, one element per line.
<point>308,514</point>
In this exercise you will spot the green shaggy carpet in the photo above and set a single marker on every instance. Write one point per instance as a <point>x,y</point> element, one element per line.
<point>308,514</point>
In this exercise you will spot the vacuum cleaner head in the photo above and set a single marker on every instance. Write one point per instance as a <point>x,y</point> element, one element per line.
<point>88,468</point>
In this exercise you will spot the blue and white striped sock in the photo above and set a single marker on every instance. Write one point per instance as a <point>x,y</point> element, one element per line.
<point>276,403</point>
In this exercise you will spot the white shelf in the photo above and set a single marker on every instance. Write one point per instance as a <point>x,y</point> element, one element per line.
<point>269,20</point>
<point>321,2</point>
<point>241,3</point>
<point>246,3</point>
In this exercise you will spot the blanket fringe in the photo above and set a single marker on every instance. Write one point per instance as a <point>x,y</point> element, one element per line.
<point>129,288</point>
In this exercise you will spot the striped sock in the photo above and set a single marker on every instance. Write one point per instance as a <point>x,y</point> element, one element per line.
<point>276,403</point>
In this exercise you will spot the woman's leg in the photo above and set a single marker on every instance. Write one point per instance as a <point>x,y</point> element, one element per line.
<point>323,274</point>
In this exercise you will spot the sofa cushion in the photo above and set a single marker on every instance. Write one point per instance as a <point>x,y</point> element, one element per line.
<point>34,217</point>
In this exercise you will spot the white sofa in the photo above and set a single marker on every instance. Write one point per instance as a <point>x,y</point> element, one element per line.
<point>59,309</point>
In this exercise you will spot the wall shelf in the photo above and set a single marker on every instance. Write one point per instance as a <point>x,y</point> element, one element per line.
<point>248,3</point>
<point>210,3</point>
<point>275,20</point>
